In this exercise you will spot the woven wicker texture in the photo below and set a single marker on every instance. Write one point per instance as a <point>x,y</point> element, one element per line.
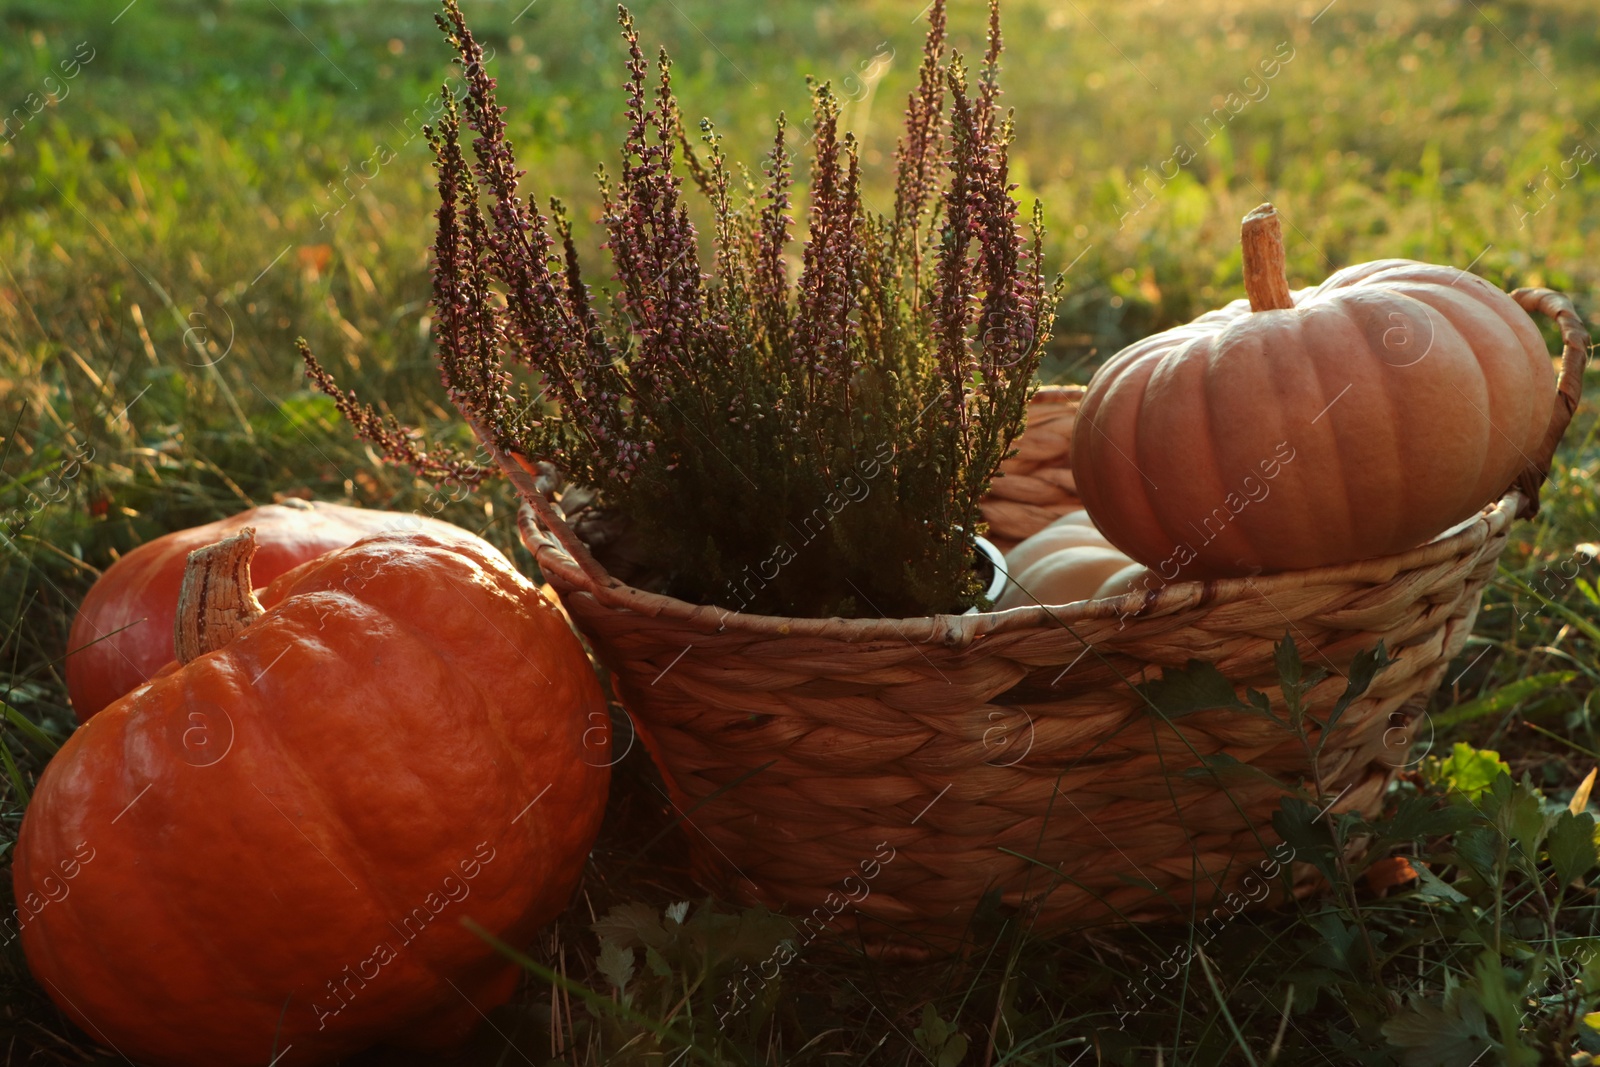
<point>1009,751</point>
<point>1035,486</point>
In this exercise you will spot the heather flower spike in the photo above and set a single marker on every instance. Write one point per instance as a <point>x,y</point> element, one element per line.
<point>804,447</point>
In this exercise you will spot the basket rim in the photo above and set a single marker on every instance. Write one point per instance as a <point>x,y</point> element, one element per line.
<point>945,629</point>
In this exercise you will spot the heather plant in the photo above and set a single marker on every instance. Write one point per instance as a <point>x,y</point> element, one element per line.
<point>814,446</point>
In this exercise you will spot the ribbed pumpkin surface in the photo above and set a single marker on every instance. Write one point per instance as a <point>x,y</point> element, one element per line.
<point>1391,402</point>
<point>287,833</point>
<point>122,634</point>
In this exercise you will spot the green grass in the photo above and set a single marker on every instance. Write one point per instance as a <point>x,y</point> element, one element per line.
<point>167,229</point>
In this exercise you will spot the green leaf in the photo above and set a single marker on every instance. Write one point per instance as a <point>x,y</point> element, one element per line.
<point>933,1031</point>
<point>1229,771</point>
<point>1479,849</point>
<point>616,963</point>
<point>1363,669</point>
<point>1287,657</point>
<point>1467,771</point>
<point>1523,815</point>
<point>1298,824</point>
<point>1503,699</point>
<point>1183,691</point>
<point>954,1051</point>
<point>749,937</point>
<point>1501,992</point>
<point>655,961</point>
<point>1441,1036</point>
<point>1339,945</point>
<point>1420,815</point>
<point>1262,703</point>
<point>1585,953</point>
<point>939,1038</point>
<point>1572,848</point>
<point>1431,887</point>
<point>633,925</point>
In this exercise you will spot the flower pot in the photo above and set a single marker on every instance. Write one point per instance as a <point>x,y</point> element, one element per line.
<point>990,563</point>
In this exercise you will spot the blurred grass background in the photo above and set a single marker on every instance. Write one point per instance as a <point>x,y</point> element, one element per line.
<point>217,177</point>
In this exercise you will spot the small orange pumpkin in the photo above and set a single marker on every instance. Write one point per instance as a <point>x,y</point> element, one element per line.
<point>1287,431</point>
<point>122,634</point>
<point>266,854</point>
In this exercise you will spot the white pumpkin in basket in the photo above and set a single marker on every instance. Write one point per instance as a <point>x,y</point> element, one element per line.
<point>1063,576</point>
<point>1052,538</point>
<point>1067,561</point>
<point>1133,578</point>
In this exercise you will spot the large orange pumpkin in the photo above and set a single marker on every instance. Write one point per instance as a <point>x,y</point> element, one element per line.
<point>1286,431</point>
<point>122,633</point>
<point>269,850</point>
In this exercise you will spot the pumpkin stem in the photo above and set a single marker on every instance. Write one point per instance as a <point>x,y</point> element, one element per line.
<point>1266,275</point>
<point>216,601</point>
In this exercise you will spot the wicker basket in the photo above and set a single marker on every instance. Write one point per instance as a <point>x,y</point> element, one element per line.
<point>884,775</point>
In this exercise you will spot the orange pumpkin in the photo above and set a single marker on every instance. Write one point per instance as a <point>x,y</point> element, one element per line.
<point>1287,431</point>
<point>122,633</point>
<point>266,854</point>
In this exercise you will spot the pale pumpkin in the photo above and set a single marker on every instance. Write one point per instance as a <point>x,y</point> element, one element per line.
<point>1354,419</point>
<point>1134,578</point>
<point>1052,538</point>
<point>1063,577</point>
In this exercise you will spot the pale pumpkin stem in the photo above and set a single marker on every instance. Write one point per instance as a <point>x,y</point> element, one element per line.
<point>216,600</point>
<point>1266,272</point>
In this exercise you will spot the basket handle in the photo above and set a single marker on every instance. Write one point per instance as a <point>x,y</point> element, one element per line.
<point>524,479</point>
<point>1569,389</point>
